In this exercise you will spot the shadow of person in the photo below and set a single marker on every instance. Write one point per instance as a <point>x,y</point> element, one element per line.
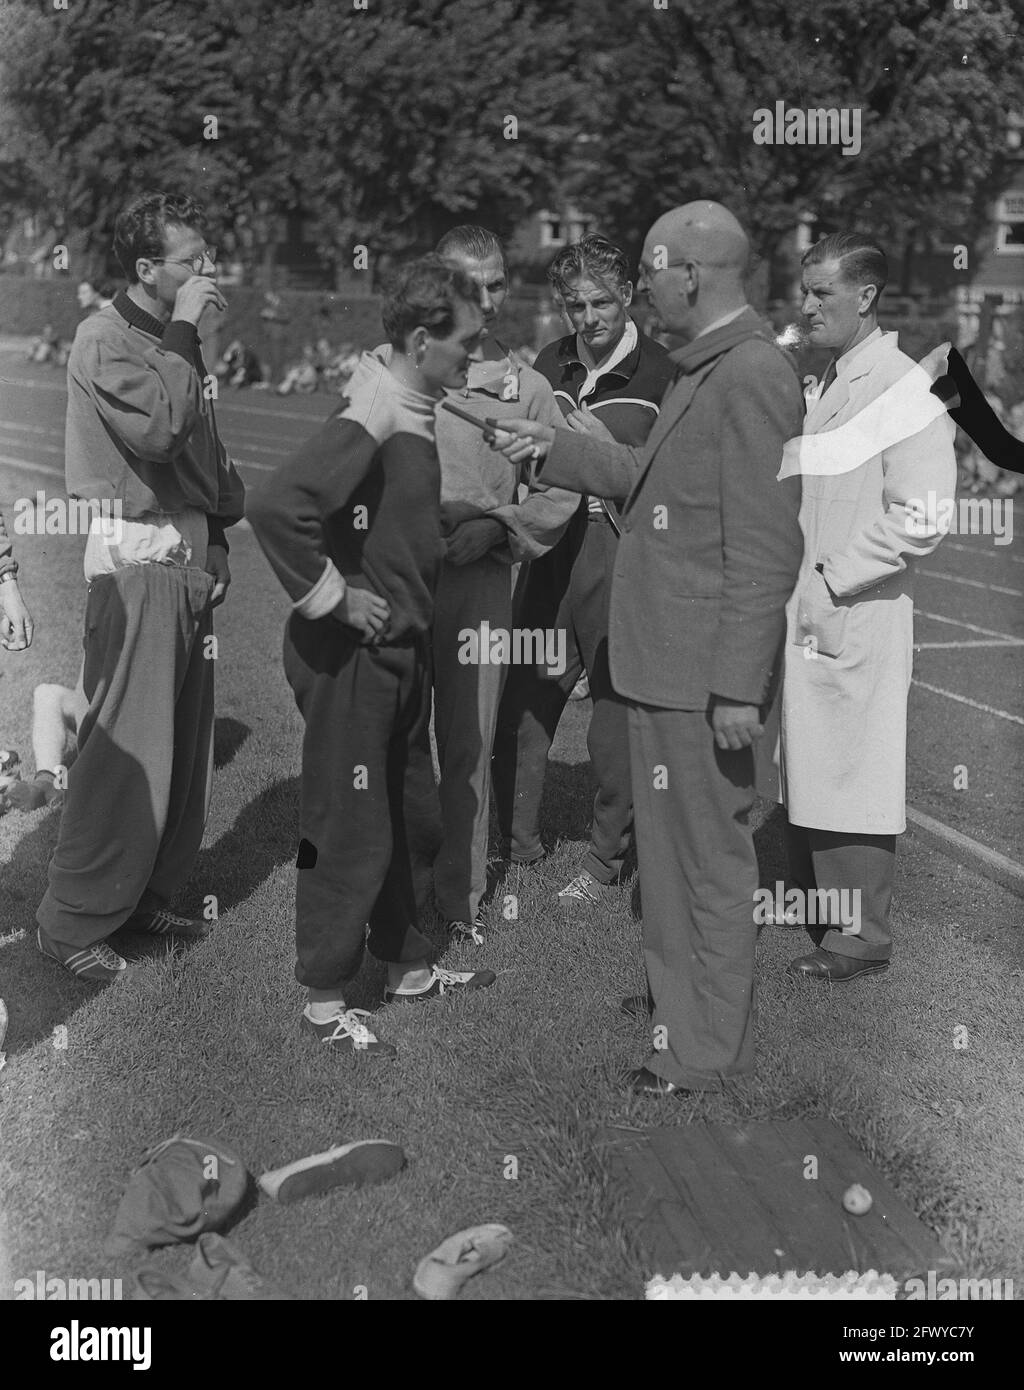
<point>265,835</point>
<point>40,994</point>
<point>228,737</point>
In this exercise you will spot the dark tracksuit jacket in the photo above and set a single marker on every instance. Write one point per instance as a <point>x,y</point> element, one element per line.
<point>568,588</point>
<point>359,505</point>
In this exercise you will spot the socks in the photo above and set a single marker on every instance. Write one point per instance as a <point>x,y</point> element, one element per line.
<point>323,1011</point>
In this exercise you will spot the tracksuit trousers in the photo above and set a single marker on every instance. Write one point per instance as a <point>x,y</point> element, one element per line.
<point>532,706</point>
<point>138,793</point>
<point>369,820</point>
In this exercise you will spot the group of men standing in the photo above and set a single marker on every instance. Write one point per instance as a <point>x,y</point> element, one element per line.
<point>700,542</point>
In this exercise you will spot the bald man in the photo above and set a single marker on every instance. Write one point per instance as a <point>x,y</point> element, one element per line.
<point>709,553</point>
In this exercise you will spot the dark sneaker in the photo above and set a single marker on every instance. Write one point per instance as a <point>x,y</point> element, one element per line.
<point>30,796</point>
<point>346,1033</point>
<point>220,1270</point>
<point>464,932</point>
<point>360,1164</point>
<point>97,963</point>
<point>168,924</point>
<point>443,982</point>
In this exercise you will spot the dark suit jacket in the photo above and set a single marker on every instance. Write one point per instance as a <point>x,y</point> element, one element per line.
<point>710,544</point>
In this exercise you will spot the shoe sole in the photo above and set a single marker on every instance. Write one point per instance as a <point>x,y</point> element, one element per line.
<point>362,1164</point>
<point>842,979</point>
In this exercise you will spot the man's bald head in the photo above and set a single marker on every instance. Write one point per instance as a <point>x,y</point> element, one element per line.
<point>703,254</point>
<point>707,233</point>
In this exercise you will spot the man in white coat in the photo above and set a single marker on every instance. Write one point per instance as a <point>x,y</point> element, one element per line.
<point>878,467</point>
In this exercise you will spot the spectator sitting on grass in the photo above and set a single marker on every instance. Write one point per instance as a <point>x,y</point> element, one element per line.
<point>239,366</point>
<point>303,376</point>
<point>56,711</point>
<point>48,348</point>
<point>338,370</point>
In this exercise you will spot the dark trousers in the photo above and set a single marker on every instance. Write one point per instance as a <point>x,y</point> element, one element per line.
<point>844,861</point>
<point>698,877</point>
<point>139,791</point>
<point>532,706</point>
<point>369,821</point>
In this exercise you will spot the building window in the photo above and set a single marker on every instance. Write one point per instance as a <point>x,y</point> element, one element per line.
<point>1010,224</point>
<point>550,229</point>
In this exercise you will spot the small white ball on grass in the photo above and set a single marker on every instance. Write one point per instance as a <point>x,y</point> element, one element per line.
<point>857,1200</point>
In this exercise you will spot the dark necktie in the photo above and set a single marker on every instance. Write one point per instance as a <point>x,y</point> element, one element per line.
<point>828,378</point>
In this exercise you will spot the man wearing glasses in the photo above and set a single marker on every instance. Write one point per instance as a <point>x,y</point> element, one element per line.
<point>709,551</point>
<point>141,440</point>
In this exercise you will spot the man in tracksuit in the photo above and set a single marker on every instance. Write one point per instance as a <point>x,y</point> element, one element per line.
<point>609,368</point>
<point>352,528</point>
<point>488,528</point>
<point>142,440</point>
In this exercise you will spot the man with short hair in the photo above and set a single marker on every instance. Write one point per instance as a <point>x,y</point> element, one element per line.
<point>877,467</point>
<point>610,369</point>
<point>141,436</point>
<point>352,528</point>
<point>488,529</point>
<point>709,550</point>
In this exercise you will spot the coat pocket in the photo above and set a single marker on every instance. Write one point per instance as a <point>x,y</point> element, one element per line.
<point>820,621</point>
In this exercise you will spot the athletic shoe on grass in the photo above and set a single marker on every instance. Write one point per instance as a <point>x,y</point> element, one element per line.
<point>474,931</point>
<point>584,888</point>
<point>96,963</point>
<point>361,1164</point>
<point>444,1271</point>
<point>164,923</point>
<point>442,982</point>
<point>346,1032</point>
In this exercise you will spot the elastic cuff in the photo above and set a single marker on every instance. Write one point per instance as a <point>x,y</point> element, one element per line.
<point>216,533</point>
<point>182,338</point>
<point>325,595</point>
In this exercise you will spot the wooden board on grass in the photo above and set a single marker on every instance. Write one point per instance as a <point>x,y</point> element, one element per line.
<point>717,1199</point>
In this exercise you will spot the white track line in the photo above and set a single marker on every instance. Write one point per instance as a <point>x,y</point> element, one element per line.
<point>963,700</point>
<point>221,404</point>
<point>1007,637</point>
<point>950,646</point>
<point>11,426</point>
<point>973,583</point>
<point>989,551</point>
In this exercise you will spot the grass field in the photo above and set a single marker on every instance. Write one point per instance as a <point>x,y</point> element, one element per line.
<point>207,1040</point>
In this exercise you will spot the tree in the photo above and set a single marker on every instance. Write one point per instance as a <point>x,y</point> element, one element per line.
<point>673,113</point>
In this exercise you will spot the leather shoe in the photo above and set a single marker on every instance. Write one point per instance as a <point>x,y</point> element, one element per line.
<point>637,1006</point>
<point>644,1083</point>
<point>837,969</point>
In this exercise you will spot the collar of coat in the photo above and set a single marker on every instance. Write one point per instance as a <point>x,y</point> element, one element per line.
<point>136,316</point>
<point>710,345</point>
<point>860,359</point>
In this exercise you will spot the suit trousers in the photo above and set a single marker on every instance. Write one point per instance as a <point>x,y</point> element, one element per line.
<point>826,860</point>
<point>138,793</point>
<point>368,816</point>
<point>698,877</point>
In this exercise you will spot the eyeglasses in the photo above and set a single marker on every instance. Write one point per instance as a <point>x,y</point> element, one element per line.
<point>195,263</point>
<point>645,272</point>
